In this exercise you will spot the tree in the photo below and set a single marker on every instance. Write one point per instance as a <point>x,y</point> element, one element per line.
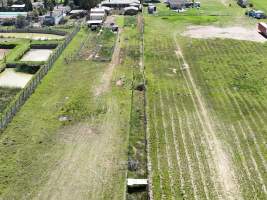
<point>28,5</point>
<point>9,2</point>
<point>66,2</point>
<point>46,4</point>
<point>21,21</point>
<point>76,2</point>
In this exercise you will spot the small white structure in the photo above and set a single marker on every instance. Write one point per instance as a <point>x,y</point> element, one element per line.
<point>18,6</point>
<point>136,182</point>
<point>94,22</point>
<point>97,10</point>
<point>76,12</point>
<point>97,16</point>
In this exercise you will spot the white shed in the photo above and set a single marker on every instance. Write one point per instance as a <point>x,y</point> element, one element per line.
<point>97,10</point>
<point>97,16</point>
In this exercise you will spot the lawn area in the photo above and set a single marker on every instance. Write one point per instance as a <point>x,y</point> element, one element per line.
<point>42,155</point>
<point>260,4</point>
<point>206,104</point>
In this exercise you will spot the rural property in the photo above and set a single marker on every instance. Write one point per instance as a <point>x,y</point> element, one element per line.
<point>133,100</point>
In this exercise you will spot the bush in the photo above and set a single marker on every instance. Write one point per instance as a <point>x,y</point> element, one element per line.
<point>21,21</point>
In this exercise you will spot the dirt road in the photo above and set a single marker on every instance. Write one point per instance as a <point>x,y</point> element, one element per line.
<point>94,156</point>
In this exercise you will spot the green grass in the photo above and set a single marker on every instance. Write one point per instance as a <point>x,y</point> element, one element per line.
<point>231,78</point>
<point>6,94</point>
<point>18,161</point>
<point>259,4</point>
<point>31,147</point>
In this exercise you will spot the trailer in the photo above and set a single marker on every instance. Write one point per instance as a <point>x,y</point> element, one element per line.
<point>262,27</point>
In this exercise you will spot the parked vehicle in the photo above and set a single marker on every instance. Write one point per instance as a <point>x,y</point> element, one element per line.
<point>242,3</point>
<point>262,27</point>
<point>258,14</point>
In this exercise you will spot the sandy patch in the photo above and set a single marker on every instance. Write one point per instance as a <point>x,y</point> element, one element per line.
<point>3,52</point>
<point>37,55</point>
<point>11,78</point>
<point>238,33</point>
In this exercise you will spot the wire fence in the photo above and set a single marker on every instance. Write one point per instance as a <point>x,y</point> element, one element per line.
<point>25,93</point>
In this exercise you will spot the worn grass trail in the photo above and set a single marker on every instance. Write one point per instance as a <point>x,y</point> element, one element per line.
<point>231,77</point>
<point>84,158</point>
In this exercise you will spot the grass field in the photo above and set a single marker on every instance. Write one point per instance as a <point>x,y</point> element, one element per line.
<point>206,104</point>
<point>84,157</point>
<point>259,4</point>
<point>6,94</point>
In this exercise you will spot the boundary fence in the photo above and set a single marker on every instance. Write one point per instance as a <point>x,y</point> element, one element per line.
<point>25,93</point>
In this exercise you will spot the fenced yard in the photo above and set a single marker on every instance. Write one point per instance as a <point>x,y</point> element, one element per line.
<point>22,96</point>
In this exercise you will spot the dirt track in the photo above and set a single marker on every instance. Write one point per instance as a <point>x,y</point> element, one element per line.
<point>92,158</point>
<point>224,172</point>
<point>106,78</point>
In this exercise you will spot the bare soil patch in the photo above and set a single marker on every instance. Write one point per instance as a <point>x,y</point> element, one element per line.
<point>237,33</point>
<point>11,78</point>
<point>3,52</point>
<point>106,78</point>
<point>37,55</point>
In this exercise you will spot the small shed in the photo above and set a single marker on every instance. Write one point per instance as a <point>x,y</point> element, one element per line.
<point>131,10</point>
<point>97,16</point>
<point>131,182</point>
<point>97,10</point>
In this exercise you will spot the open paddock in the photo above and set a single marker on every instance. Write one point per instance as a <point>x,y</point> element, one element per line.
<point>37,55</point>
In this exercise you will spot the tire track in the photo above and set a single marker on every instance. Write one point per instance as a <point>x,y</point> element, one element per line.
<point>223,166</point>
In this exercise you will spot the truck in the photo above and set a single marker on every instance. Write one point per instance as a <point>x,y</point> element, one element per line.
<point>262,27</point>
<point>258,14</point>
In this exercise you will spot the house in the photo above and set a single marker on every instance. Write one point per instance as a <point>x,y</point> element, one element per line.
<point>176,4</point>
<point>54,18</point>
<point>118,4</point>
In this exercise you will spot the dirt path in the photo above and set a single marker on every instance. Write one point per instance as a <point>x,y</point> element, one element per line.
<point>224,170</point>
<point>106,78</point>
<point>232,32</point>
<point>91,160</point>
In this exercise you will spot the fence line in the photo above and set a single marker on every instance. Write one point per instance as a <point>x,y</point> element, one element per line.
<point>24,94</point>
